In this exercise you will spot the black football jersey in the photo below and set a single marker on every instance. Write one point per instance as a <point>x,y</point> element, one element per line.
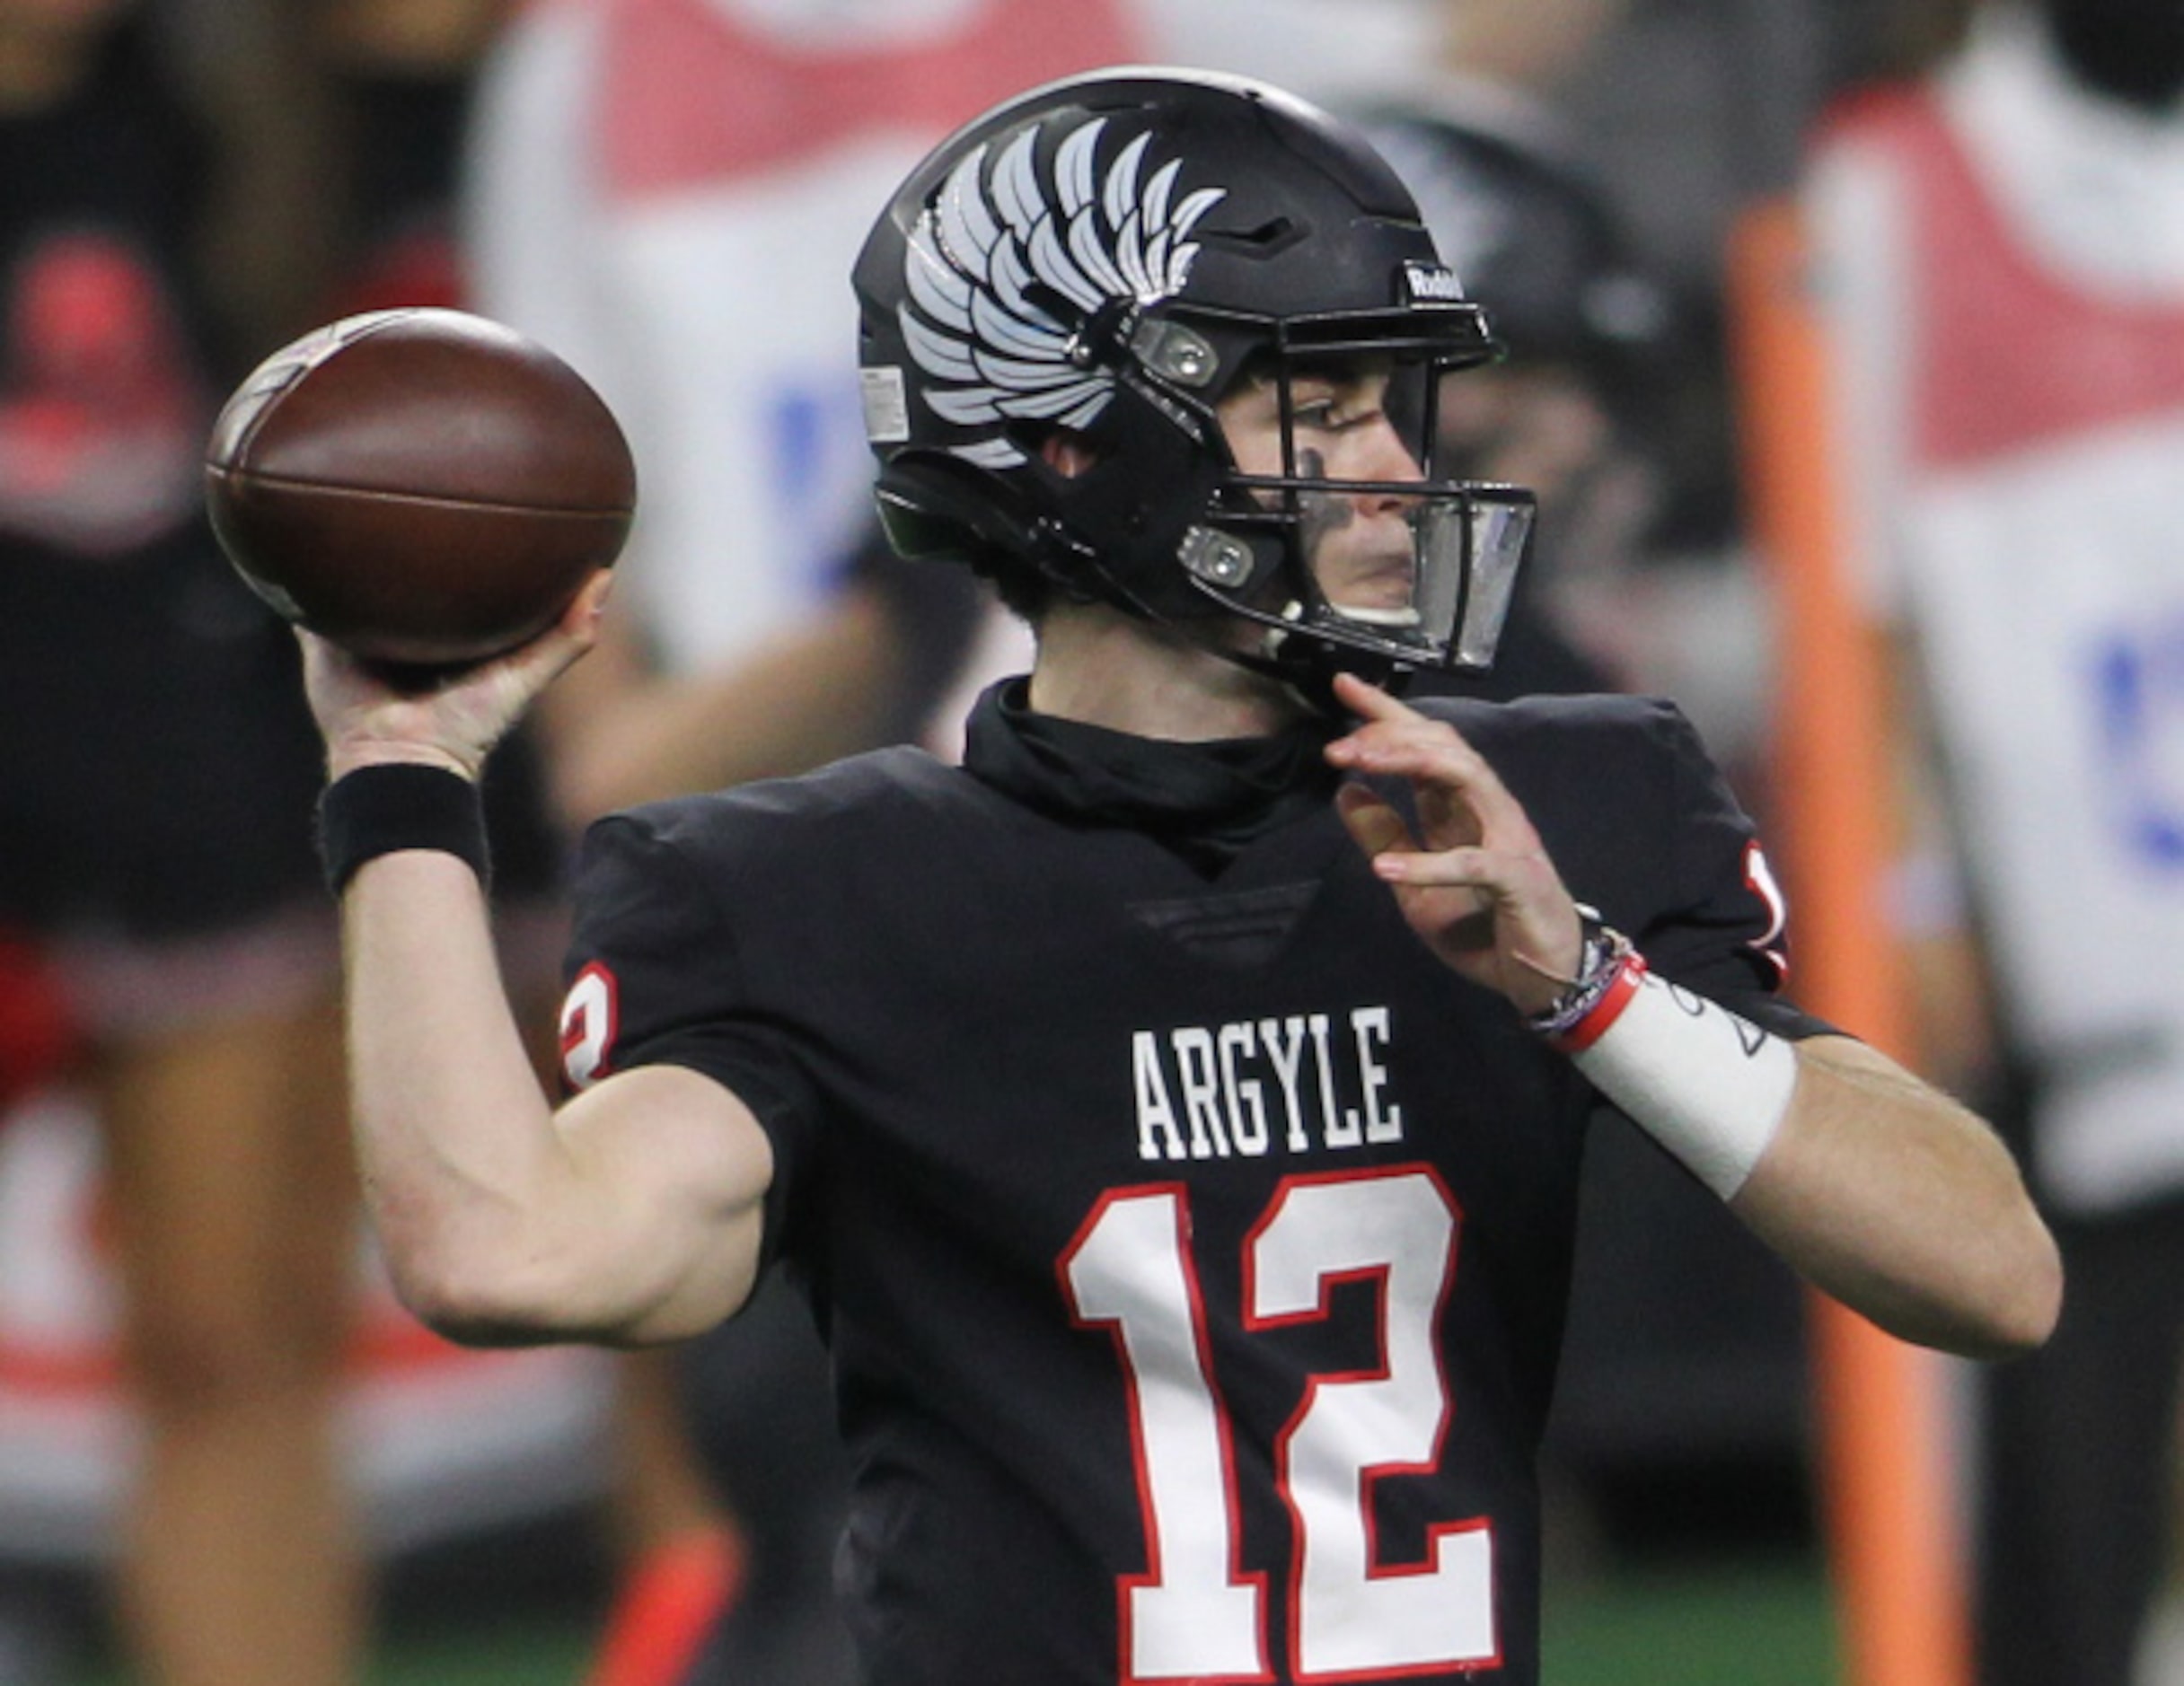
<point>1193,1247</point>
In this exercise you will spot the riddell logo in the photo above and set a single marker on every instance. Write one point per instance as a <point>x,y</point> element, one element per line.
<point>1432,283</point>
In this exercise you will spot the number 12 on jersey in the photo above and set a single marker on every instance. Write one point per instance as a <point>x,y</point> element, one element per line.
<point>1195,1614</point>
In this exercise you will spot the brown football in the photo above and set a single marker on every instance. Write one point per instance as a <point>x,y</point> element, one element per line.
<point>420,486</point>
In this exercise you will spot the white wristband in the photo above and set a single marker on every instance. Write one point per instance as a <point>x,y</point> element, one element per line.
<point>1710,1086</point>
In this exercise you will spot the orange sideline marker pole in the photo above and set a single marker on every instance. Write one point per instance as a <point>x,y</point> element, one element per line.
<point>1893,1543</point>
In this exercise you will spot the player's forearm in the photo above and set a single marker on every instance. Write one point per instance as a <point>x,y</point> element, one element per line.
<point>454,1137</point>
<point>1894,1199</point>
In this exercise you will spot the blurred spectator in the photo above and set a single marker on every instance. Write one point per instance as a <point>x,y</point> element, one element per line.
<point>1692,111</point>
<point>179,949</point>
<point>153,728</point>
<point>398,77</point>
<point>2002,268</point>
<point>1335,52</point>
<point>334,123</point>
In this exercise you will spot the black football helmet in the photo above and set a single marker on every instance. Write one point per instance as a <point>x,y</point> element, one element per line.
<point>1112,255</point>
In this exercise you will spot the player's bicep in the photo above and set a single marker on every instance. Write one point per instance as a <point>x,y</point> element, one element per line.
<point>678,1167</point>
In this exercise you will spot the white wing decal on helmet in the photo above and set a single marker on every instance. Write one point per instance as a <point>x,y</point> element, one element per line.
<point>991,240</point>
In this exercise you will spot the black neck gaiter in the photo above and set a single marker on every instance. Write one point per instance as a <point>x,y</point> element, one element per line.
<point>1207,802</point>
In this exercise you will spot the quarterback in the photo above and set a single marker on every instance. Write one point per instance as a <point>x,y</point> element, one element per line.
<point>1173,1111</point>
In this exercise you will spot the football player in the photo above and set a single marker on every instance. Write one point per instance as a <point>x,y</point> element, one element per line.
<point>1175,1111</point>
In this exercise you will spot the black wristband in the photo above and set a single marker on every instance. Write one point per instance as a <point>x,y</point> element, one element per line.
<point>375,811</point>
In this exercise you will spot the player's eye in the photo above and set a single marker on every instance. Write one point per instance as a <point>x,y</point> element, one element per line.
<point>1333,416</point>
<point>1333,412</point>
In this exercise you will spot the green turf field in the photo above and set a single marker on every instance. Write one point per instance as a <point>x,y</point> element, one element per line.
<point>1768,1623</point>
<point>1705,1625</point>
<point>1757,1619</point>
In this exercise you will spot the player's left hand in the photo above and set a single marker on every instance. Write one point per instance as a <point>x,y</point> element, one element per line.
<point>1473,880</point>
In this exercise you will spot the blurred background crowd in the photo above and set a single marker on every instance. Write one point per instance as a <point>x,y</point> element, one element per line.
<point>227,1458</point>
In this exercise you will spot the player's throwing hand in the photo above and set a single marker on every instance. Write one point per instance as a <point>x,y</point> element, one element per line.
<point>369,719</point>
<point>1474,880</point>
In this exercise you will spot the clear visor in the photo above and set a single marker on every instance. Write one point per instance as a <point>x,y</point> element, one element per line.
<point>1417,573</point>
<point>1439,604</point>
<point>1337,523</point>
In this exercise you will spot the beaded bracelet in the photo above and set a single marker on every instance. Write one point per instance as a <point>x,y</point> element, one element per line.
<point>1609,968</point>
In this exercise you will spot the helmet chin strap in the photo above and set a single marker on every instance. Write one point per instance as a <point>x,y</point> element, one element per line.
<point>1306,666</point>
<point>1292,655</point>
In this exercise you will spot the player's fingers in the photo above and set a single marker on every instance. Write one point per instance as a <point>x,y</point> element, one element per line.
<point>590,602</point>
<point>317,652</point>
<point>546,657</point>
<point>1373,746</point>
<point>1455,781</point>
<point>1385,724</point>
<point>1390,728</point>
<point>1521,883</point>
<point>1368,701</point>
<point>1372,822</point>
<point>1506,876</point>
<point>1380,720</point>
<point>334,680</point>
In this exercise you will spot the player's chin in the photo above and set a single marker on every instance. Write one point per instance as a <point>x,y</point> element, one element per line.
<point>1387,607</point>
<point>1377,590</point>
